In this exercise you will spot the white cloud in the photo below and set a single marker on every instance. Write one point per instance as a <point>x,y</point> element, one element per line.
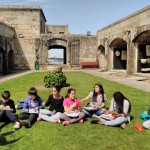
<point>27,2</point>
<point>38,1</point>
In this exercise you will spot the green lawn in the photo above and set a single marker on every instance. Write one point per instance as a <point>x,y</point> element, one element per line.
<point>86,136</point>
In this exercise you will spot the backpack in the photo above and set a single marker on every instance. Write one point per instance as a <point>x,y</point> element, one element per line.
<point>20,104</point>
<point>144,116</point>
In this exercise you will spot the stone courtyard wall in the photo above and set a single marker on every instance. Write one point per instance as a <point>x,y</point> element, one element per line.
<point>57,29</point>
<point>28,23</point>
<point>127,29</point>
<point>24,29</point>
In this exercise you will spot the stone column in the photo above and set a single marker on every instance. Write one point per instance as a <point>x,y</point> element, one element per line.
<point>106,53</point>
<point>131,55</point>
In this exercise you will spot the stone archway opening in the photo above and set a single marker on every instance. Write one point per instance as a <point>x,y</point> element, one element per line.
<point>101,50</point>
<point>143,41</point>
<point>3,62</point>
<point>10,61</point>
<point>101,57</point>
<point>119,47</point>
<point>56,55</point>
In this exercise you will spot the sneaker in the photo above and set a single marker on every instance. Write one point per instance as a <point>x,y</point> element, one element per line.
<point>93,116</point>
<point>57,121</point>
<point>123,125</point>
<point>66,123</point>
<point>94,121</point>
<point>81,121</point>
<point>17,126</point>
<point>26,124</point>
<point>39,119</point>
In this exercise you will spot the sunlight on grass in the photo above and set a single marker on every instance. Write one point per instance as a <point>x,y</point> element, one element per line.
<point>45,135</point>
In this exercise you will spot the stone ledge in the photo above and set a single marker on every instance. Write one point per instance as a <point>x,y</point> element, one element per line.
<point>54,68</point>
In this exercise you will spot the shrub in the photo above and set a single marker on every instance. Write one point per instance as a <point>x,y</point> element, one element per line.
<point>55,78</point>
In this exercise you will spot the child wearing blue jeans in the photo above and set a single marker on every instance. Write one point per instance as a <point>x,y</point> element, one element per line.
<point>120,107</point>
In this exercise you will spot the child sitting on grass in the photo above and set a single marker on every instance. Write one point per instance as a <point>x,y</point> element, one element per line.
<point>7,110</point>
<point>32,102</point>
<point>121,108</point>
<point>72,108</point>
<point>55,101</point>
<point>98,99</point>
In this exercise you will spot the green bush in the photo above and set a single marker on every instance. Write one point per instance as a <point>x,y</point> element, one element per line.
<point>55,78</point>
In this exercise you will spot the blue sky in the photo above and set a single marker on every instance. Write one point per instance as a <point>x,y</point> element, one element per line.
<point>83,15</point>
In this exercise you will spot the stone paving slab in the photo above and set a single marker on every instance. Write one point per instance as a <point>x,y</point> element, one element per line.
<point>14,75</point>
<point>138,82</point>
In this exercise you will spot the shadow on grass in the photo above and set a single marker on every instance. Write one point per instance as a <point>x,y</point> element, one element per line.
<point>3,125</point>
<point>3,140</point>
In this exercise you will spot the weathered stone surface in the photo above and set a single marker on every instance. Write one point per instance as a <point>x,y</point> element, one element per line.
<point>24,32</point>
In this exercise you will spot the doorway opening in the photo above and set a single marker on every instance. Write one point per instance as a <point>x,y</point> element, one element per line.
<point>119,53</point>
<point>56,55</point>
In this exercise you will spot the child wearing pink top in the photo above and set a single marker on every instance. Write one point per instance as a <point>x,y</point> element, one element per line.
<point>72,108</point>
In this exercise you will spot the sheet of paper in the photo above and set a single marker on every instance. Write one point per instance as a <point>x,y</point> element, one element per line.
<point>108,117</point>
<point>32,111</point>
<point>89,108</point>
<point>5,109</point>
<point>45,111</point>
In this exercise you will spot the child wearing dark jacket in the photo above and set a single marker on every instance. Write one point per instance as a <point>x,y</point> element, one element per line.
<point>7,110</point>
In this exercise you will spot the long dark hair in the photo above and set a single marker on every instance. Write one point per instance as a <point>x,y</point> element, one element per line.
<point>69,91</point>
<point>119,99</point>
<point>101,92</point>
<point>58,88</point>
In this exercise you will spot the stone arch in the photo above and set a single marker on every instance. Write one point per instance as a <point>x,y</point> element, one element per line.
<point>119,53</point>
<point>143,37</point>
<point>59,43</point>
<point>101,49</point>
<point>101,57</point>
<point>141,31</point>
<point>143,49</point>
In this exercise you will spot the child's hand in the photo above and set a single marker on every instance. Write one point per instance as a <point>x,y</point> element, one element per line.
<point>106,112</point>
<point>36,109</point>
<point>27,110</point>
<point>96,107</point>
<point>43,104</point>
<point>54,111</point>
<point>74,104</point>
<point>1,106</point>
<point>7,107</point>
<point>76,111</point>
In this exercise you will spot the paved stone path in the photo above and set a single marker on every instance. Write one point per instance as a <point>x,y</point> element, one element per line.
<point>142,81</point>
<point>138,82</point>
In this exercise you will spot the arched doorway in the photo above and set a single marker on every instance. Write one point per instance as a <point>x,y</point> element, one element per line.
<point>3,62</point>
<point>56,55</point>
<point>143,42</point>
<point>119,47</point>
<point>101,57</point>
<point>10,61</point>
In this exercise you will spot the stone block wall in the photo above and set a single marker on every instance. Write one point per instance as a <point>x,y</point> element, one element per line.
<point>57,29</point>
<point>88,48</point>
<point>29,23</point>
